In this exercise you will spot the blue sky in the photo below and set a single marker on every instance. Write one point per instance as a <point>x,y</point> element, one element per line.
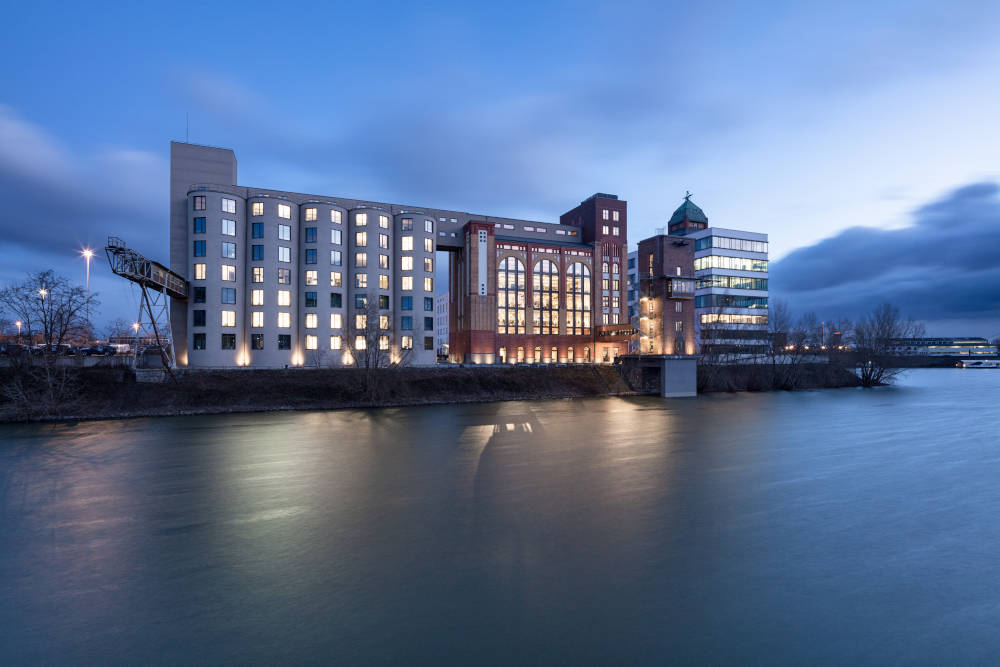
<point>797,119</point>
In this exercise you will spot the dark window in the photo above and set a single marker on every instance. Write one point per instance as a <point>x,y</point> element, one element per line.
<point>336,301</point>
<point>310,235</point>
<point>228,341</point>
<point>383,301</point>
<point>284,341</point>
<point>428,342</point>
<point>406,303</point>
<point>428,303</point>
<point>199,295</point>
<point>199,225</point>
<point>228,295</point>
<point>199,248</point>
<point>311,256</point>
<point>406,323</point>
<point>199,341</point>
<point>258,230</point>
<point>428,324</point>
<point>310,299</point>
<point>360,300</point>
<point>284,276</point>
<point>199,318</point>
<point>199,204</point>
<point>257,341</point>
<point>258,253</point>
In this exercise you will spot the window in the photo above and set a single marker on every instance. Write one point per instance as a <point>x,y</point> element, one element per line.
<point>360,343</point>
<point>360,301</point>
<point>406,342</point>
<point>336,237</point>
<point>335,343</point>
<point>257,297</point>
<point>360,321</point>
<point>614,216</point>
<point>383,221</point>
<point>383,281</point>
<point>284,253</point>
<point>258,274</point>
<point>360,260</point>
<point>284,211</point>
<point>383,301</point>
<point>336,279</point>
<point>428,265</point>
<point>284,320</point>
<point>229,295</point>
<point>406,283</point>
<point>312,321</point>
<point>199,341</point>
<point>428,245</point>
<point>310,255</point>
<point>615,285</point>
<point>228,341</point>
<point>199,248</point>
<point>605,230</point>
<point>510,296</point>
<point>284,297</point>
<point>428,303</point>
<point>406,323</point>
<point>428,342</point>
<point>257,230</point>
<point>361,239</point>
<point>335,217</point>
<point>198,318</point>
<point>604,267</point>
<point>257,253</point>
<point>383,322</point>
<point>257,208</point>
<point>199,295</point>
<point>406,243</point>
<point>199,205</point>
<point>228,250</point>
<point>284,341</point>
<point>229,318</point>
<point>428,284</point>
<point>335,258</point>
<point>257,319</point>
<point>578,299</point>
<point>406,303</point>
<point>383,241</point>
<point>722,262</point>
<point>429,226</point>
<point>361,280</point>
<point>228,227</point>
<point>199,271</point>
<point>605,285</point>
<point>383,262</point>
<point>406,263</point>
<point>228,273</point>
<point>257,341</point>
<point>199,225</point>
<point>545,297</point>
<point>310,235</point>
<point>228,205</point>
<point>284,233</point>
<point>428,324</point>
<point>604,214</point>
<point>616,231</point>
<point>312,277</point>
<point>406,224</point>
<point>383,342</point>
<point>615,270</point>
<point>311,299</point>
<point>310,215</point>
<point>678,306</point>
<point>360,219</point>
<point>336,320</point>
<point>336,300</point>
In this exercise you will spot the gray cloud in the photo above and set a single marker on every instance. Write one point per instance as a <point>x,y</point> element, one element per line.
<point>943,267</point>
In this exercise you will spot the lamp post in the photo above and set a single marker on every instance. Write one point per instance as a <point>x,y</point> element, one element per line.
<point>18,325</point>
<point>87,253</point>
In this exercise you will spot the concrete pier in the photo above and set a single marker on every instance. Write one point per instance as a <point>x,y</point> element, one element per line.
<point>676,375</point>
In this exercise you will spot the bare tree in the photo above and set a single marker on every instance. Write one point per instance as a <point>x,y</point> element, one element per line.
<point>872,343</point>
<point>49,306</point>
<point>370,344</point>
<point>118,328</point>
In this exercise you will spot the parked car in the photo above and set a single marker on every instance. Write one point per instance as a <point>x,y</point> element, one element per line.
<point>55,349</point>
<point>97,351</point>
<point>12,349</point>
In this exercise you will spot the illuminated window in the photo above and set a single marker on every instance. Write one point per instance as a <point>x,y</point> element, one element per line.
<point>360,260</point>
<point>604,213</point>
<point>336,279</point>
<point>360,343</point>
<point>510,296</point>
<point>406,342</point>
<point>360,321</point>
<point>383,281</point>
<point>284,297</point>
<point>406,263</point>
<point>428,284</point>
<point>312,277</point>
<point>429,264</point>
<point>578,299</point>
<point>284,320</point>
<point>257,319</point>
<point>615,269</point>
<point>383,342</point>
<point>360,239</point>
<point>605,230</point>
<point>336,321</point>
<point>199,202</point>
<point>335,343</point>
<point>228,227</point>
<point>383,262</point>
<point>361,280</point>
<point>383,221</point>
<point>545,297</point>
<point>407,283</point>
<point>428,245</point>
<point>257,297</point>
<point>310,215</point>
<point>284,232</point>
<point>383,322</point>
<point>284,211</point>
<point>199,271</point>
<point>616,231</point>
<point>284,253</point>
<point>429,226</point>
<point>257,208</point>
<point>258,274</point>
<point>228,272</point>
<point>228,205</point>
<point>312,320</point>
<point>406,243</point>
<point>336,236</point>
<point>360,219</point>
<point>335,217</point>
<point>614,216</point>
<point>229,318</point>
<point>312,342</point>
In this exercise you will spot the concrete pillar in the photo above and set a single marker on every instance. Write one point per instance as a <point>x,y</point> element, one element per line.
<point>679,377</point>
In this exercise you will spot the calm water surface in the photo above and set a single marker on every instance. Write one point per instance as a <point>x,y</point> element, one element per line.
<point>832,527</point>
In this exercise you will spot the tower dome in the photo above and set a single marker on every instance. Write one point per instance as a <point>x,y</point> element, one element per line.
<point>687,217</point>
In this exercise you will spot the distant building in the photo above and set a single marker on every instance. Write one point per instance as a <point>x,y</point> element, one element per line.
<point>944,347</point>
<point>666,293</point>
<point>441,302</point>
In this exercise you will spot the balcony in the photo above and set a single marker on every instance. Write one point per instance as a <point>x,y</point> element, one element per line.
<point>680,288</point>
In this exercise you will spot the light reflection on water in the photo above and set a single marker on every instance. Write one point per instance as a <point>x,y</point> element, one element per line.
<point>837,526</point>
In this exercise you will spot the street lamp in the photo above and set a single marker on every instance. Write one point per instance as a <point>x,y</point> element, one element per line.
<point>87,253</point>
<point>18,325</point>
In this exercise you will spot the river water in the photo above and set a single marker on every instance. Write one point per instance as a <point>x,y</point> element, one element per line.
<point>832,527</point>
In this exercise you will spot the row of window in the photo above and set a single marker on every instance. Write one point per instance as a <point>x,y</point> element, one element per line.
<point>605,212</point>
<point>311,214</point>
<point>311,342</point>
<point>728,243</point>
<point>511,297</point>
<point>733,282</point>
<point>729,301</point>
<point>227,318</point>
<point>731,263</point>
<point>284,298</point>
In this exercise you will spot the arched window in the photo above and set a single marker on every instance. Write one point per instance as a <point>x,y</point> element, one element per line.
<point>545,297</point>
<point>510,296</point>
<point>614,268</point>
<point>578,299</point>
<point>604,267</point>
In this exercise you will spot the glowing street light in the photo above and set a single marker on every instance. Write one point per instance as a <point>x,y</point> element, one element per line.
<point>87,253</point>
<point>135,327</point>
<point>18,325</point>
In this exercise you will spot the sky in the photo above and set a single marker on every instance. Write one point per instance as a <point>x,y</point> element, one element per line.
<point>861,136</point>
